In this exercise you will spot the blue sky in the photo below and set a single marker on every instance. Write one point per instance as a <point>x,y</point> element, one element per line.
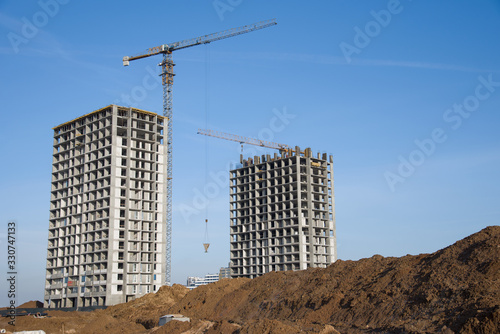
<point>404,94</point>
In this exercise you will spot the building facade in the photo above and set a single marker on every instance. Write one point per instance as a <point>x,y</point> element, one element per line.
<point>107,232</point>
<point>282,213</point>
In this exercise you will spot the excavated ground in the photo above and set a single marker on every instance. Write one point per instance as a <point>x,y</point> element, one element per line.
<point>454,290</point>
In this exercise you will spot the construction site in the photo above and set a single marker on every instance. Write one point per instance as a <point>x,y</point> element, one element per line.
<point>453,290</point>
<point>111,228</point>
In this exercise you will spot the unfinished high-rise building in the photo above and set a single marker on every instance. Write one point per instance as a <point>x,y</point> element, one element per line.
<point>282,213</point>
<point>107,208</point>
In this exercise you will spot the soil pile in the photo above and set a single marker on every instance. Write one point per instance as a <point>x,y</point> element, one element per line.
<point>32,304</point>
<point>454,290</point>
<point>149,308</point>
<point>71,323</point>
<point>132,317</point>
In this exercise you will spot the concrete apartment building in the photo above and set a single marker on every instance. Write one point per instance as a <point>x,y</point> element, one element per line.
<point>282,213</point>
<point>106,242</point>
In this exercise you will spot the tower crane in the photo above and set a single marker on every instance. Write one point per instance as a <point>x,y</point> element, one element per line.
<point>244,140</point>
<point>167,74</point>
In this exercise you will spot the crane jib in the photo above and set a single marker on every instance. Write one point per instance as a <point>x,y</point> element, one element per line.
<point>164,48</point>
<point>155,50</point>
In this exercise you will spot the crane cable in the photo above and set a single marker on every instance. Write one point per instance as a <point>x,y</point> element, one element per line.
<point>206,242</point>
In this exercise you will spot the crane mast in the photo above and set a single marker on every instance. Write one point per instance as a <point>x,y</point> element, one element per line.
<point>167,74</point>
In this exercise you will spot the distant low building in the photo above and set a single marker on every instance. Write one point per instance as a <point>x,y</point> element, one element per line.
<point>224,272</point>
<point>194,282</point>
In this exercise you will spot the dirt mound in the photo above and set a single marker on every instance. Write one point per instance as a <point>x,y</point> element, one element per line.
<point>454,290</point>
<point>71,322</point>
<point>132,317</point>
<point>149,308</point>
<point>31,304</point>
<point>207,297</point>
<point>105,323</point>
<point>194,327</point>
